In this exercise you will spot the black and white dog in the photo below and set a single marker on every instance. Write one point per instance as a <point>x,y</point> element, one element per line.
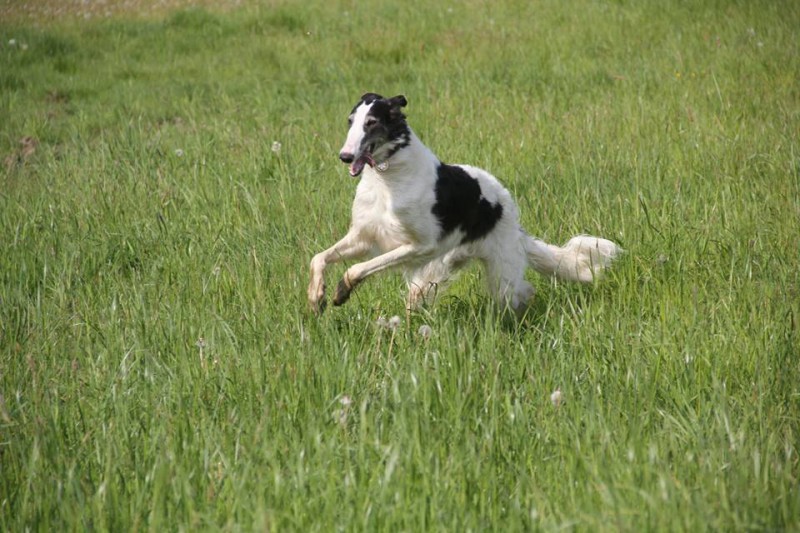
<point>413,212</point>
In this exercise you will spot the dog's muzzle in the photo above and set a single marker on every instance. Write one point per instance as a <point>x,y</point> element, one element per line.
<point>357,165</point>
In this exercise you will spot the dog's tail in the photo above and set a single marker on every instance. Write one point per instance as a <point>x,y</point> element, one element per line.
<point>583,258</point>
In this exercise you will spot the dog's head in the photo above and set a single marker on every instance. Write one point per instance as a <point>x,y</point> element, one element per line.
<point>377,130</point>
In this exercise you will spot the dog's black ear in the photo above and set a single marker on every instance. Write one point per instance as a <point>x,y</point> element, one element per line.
<point>398,101</point>
<point>368,98</point>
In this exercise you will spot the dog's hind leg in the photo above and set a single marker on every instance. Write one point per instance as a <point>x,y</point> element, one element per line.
<point>423,288</point>
<point>430,280</point>
<point>506,279</point>
<point>425,284</point>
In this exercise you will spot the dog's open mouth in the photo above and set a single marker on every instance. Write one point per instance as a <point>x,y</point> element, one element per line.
<point>357,166</point>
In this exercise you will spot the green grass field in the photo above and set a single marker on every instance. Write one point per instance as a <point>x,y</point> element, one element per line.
<point>159,369</point>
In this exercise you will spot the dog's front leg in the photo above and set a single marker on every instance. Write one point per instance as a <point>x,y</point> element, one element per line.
<point>352,245</point>
<point>359,272</point>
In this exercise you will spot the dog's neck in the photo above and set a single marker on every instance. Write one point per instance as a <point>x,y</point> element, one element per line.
<point>407,160</point>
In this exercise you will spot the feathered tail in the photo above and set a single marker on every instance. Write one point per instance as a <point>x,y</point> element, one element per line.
<point>583,258</point>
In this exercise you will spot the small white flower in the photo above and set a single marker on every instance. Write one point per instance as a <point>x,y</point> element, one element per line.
<point>555,397</point>
<point>276,147</point>
<point>425,331</point>
<point>179,152</point>
<point>394,322</point>
<point>340,415</point>
<point>12,42</point>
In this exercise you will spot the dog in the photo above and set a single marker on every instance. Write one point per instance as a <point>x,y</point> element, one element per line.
<point>428,218</point>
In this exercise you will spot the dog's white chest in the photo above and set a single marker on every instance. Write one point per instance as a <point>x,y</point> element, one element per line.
<point>389,220</point>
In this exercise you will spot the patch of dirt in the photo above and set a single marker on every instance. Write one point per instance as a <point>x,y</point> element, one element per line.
<point>27,146</point>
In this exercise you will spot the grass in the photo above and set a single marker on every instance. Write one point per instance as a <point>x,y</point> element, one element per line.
<point>159,367</point>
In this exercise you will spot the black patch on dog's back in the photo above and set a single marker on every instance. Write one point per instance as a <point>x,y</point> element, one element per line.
<point>460,205</point>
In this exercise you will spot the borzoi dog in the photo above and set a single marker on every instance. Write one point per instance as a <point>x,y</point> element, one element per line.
<point>415,213</point>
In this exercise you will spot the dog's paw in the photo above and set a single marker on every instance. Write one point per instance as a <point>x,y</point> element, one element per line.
<point>318,306</point>
<point>316,298</point>
<point>343,290</point>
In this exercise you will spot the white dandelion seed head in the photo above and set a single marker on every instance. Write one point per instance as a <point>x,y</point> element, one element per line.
<point>556,397</point>
<point>179,152</point>
<point>276,147</point>
<point>394,322</point>
<point>425,331</point>
<point>12,42</point>
<point>345,400</point>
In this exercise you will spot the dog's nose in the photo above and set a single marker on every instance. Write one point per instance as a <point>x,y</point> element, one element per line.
<point>346,157</point>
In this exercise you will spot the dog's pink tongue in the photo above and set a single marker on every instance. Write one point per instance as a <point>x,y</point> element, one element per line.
<point>357,167</point>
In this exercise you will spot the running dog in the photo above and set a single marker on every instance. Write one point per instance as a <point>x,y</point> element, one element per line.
<point>428,218</point>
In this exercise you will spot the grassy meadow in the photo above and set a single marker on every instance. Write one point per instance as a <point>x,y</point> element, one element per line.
<point>167,176</point>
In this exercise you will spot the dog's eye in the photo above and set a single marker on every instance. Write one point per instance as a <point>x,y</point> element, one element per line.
<point>349,121</point>
<point>370,122</point>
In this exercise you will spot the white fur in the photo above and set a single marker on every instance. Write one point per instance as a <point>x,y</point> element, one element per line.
<point>354,135</point>
<point>393,225</point>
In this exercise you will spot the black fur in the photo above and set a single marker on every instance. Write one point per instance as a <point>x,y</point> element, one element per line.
<point>367,98</point>
<point>460,205</point>
<point>390,124</point>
